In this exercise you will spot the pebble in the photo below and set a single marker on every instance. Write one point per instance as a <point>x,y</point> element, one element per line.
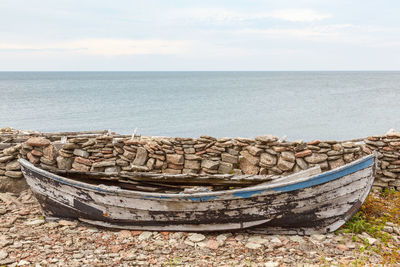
<point>296,238</point>
<point>60,244</point>
<point>67,223</point>
<point>257,240</point>
<point>145,235</point>
<point>342,247</point>
<point>196,237</point>
<point>271,264</point>
<point>35,222</point>
<point>23,262</point>
<point>3,254</point>
<point>251,245</point>
<point>221,238</point>
<point>318,237</point>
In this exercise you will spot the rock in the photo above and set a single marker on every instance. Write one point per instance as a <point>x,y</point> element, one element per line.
<point>318,237</point>
<point>70,146</point>
<point>226,157</point>
<point>348,157</point>
<point>67,223</point>
<point>104,163</point>
<point>192,164</point>
<point>32,158</point>
<point>49,152</point>
<point>64,163</point>
<point>288,156</point>
<point>196,237</point>
<point>209,164</point>
<point>257,239</point>
<point>6,158</point>
<point>13,174</point>
<point>139,168</point>
<point>348,144</point>
<point>150,163</point>
<point>342,247</point>
<point>221,238</point>
<point>145,235</point>
<point>388,229</point>
<point>129,155</point>
<point>271,264</point>
<point>65,154</point>
<point>212,244</point>
<point>253,245</point>
<point>192,157</point>
<point>37,153</point>
<point>276,240</point>
<point>84,161</point>
<point>47,162</point>
<point>389,174</point>
<point>23,262</point>
<point>247,167</point>
<point>333,164</point>
<point>252,159</point>
<point>141,157</point>
<point>10,151</point>
<point>284,165</point>
<point>303,153</point>
<point>89,143</point>
<point>13,166</point>
<point>12,185</point>
<point>255,151</point>
<point>266,138</point>
<point>35,222</point>
<point>189,243</point>
<point>267,160</point>
<point>175,159</point>
<point>371,240</point>
<point>316,158</point>
<point>296,238</point>
<point>225,167</point>
<point>3,254</point>
<point>80,167</point>
<point>172,171</point>
<point>122,163</point>
<point>81,153</point>
<point>123,234</point>
<point>37,141</point>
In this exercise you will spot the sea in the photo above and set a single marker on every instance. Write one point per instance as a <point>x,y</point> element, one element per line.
<point>307,105</point>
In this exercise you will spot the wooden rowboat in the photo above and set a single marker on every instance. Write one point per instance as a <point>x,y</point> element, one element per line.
<point>302,203</point>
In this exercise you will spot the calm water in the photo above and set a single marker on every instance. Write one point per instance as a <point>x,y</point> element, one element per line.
<point>301,105</point>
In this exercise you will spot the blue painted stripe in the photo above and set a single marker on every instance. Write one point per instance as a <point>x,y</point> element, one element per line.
<point>247,194</point>
<point>326,177</point>
<point>201,199</point>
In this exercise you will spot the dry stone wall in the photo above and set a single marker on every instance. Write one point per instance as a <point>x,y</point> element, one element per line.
<point>117,154</point>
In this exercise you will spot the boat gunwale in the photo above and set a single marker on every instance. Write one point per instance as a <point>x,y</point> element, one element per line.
<point>202,196</point>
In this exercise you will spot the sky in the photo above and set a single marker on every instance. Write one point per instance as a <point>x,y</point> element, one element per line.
<point>184,35</point>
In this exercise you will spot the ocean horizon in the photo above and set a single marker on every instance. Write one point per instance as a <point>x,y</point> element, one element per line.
<point>298,104</point>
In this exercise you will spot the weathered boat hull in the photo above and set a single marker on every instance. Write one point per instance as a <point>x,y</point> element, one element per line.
<point>320,203</point>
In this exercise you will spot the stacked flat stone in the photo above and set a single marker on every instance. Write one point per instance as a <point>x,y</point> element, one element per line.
<point>388,169</point>
<point>264,155</point>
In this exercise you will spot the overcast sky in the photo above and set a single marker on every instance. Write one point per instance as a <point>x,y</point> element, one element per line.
<point>199,35</point>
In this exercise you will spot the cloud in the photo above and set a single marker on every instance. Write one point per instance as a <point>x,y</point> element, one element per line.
<point>220,15</point>
<point>299,15</point>
<point>103,46</point>
<point>346,33</point>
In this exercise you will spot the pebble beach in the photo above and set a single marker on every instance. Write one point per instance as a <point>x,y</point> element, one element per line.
<point>26,239</point>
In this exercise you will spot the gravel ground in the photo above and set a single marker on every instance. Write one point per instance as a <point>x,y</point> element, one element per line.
<point>27,239</point>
